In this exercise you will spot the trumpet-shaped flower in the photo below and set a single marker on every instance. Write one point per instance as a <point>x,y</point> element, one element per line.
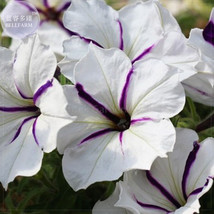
<point>200,87</point>
<point>30,115</point>
<point>122,116</point>
<point>137,29</point>
<point>51,30</point>
<point>173,185</point>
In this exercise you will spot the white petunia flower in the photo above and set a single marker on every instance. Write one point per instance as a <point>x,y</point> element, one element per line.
<point>200,87</point>
<point>173,185</point>
<point>141,30</point>
<point>122,116</point>
<point>51,30</point>
<point>30,114</point>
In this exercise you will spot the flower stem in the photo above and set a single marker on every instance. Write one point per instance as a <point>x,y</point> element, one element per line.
<point>207,123</point>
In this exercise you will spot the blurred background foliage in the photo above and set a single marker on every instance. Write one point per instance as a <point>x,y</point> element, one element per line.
<point>48,192</point>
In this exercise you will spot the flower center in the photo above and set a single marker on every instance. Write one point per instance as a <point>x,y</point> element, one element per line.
<point>124,123</point>
<point>52,14</point>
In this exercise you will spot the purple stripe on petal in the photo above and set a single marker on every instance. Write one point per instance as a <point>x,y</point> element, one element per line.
<point>101,108</point>
<point>124,91</point>
<point>150,206</point>
<point>20,127</point>
<point>200,189</point>
<point>141,120</point>
<point>22,94</point>
<point>162,189</point>
<point>41,90</point>
<point>190,161</point>
<point>195,89</point>
<point>71,33</point>
<point>26,5</point>
<point>34,131</point>
<point>121,142</point>
<point>46,4</point>
<point>64,7</point>
<point>19,109</point>
<point>145,52</point>
<point>121,35</point>
<point>96,134</point>
<point>208,33</point>
<point>42,21</point>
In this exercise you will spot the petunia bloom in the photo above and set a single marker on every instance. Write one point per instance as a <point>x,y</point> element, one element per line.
<point>200,87</point>
<point>173,185</point>
<point>122,116</point>
<point>51,30</point>
<point>143,28</point>
<point>30,115</point>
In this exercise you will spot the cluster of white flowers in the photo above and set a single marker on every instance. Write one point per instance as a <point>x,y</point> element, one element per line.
<point>128,69</point>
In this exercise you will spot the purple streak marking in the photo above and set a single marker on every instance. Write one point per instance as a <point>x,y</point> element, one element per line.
<point>190,161</point>
<point>145,52</point>
<point>19,109</point>
<point>195,89</point>
<point>124,91</point>
<point>26,5</point>
<point>64,7</point>
<point>96,134</point>
<point>22,94</point>
<point>162,189</point>
<point>20,127</point>
<point>140,120</point>
<point>121,141</point>
<point>101,108</point>
<point>34,131</point>
<point>208,33</point>
<point>41,90</point>
<point>46,4</point>
<point>199,190</point>
<point>150,206</point>
<point>71,33</point>
<point>121,35</point>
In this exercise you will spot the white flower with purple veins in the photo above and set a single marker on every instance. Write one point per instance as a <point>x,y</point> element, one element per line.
<point>51,30</point>
<point>122,116</point>
<point>30,115</point>
<point>141,30</point>
<point>200,87</point>
<point>173,185</point>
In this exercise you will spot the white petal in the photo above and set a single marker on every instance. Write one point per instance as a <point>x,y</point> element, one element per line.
<point>202,167</point>
<point>50,33</point>
<point>143,142</point>
<point>200,88</point>
<point>107,206</point>
<point>94,20</point>
<point>154,91</point>
<point>136,33</point>
<point>168,21</point>
<point>99,159</point>
<point>193,205</point>
<point>49,105</point>
<point>169,172</point>
<point>9,125</point>
<point>136,191</point>
<point>53,116</point>
<point>196,40</point>
<point>74,49</point>
<point>21,157</point>
<point>35,64</point>
<point>88,121</point>
<point>174,51</point>
<point>103,75</point>
<point>7,85</point>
